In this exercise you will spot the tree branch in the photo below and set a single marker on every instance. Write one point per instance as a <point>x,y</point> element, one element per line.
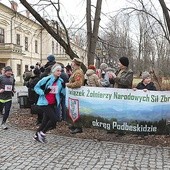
<point>56,36</point>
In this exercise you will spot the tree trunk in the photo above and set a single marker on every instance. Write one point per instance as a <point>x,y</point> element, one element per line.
<point>94,33</point>
<point>166,13</point>
<point>89,28</point>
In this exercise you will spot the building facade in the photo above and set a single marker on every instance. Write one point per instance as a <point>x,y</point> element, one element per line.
<point>24,42</point>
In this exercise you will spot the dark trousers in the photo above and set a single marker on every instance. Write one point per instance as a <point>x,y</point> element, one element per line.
<point>1,107</point>
<point>63,108</point>
<point>49,118</point>
<point>7,107</point>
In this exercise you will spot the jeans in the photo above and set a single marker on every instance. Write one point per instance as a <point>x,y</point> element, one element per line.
<point>49,118</point>
<point>7,107</point>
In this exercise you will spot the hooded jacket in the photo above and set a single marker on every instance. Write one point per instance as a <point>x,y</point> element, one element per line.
<point>92,78</point>
<point>49,80</point>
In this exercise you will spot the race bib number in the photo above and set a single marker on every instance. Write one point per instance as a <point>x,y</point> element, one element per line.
<point>8,87</point>
<point>54,89</point>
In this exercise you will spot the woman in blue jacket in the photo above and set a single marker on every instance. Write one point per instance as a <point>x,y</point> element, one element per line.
<point>49,89</point>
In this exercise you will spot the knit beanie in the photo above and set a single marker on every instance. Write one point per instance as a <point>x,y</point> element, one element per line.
<point>124,61</point>
<point>145,75</point>
<point>103,66</point>
<point>51,58</point>
<point>7,68</point>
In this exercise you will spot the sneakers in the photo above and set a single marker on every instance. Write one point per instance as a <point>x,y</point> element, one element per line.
<point>4,126</point>
<point>39,137</point>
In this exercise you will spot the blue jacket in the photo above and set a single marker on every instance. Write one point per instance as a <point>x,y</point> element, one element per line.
<point>42,101</point>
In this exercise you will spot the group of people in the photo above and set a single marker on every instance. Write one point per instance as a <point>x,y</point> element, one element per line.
<point>47,88</point>
<point>122,78</point>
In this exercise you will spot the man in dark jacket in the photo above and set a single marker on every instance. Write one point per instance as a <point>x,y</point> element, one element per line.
<point>47,68</point>
<point>123,78</point>
<point>51,61</point>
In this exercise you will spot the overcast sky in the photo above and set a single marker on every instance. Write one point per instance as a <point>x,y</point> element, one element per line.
<point>73,11</point>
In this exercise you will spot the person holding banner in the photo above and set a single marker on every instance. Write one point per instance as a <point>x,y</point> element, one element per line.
<point>123,78</point>
<point>76,81</point>
<point>104,75</point>
<point>146,83</point>
<point>7,83</point>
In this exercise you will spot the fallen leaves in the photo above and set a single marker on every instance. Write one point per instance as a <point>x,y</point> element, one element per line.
<point>23,119</point>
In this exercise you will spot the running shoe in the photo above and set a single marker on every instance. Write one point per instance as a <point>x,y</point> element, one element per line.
<point>4,126</point>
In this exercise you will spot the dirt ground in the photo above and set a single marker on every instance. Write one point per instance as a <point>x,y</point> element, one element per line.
<point>24,120</point>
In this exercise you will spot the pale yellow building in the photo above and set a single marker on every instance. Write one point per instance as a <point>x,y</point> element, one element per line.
<point>24,42</point>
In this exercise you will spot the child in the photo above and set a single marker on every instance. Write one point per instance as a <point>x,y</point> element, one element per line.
<point>146,83</point>
<point>49,101</point>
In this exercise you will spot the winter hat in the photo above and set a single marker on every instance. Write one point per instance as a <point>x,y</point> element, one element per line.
<point>37,71</point>
<point>92,67</point>
<point>51,58</point>
<point>31,67</point>
<point>77,61</point>
<point>145,75</point>
<point>7,68</point>
<point>124,61</point>
<point>56,67</point>
<point>103,66</point>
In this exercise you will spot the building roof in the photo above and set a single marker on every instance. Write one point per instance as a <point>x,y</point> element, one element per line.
<point>16,12</point>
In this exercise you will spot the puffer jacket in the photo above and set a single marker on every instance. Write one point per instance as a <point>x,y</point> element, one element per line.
<point>49,80</point>
<point>92,78</point>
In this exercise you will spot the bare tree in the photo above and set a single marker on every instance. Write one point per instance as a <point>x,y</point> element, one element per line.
<point>166,13</point>
<point>92,34</point>
<point>50,30</point>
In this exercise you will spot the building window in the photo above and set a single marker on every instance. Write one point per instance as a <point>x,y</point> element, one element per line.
<point>18,39</point>
<point>36,46</point>
<point>26,67</point>
<point>2,36</point>
<point>26,43</point>
<point>18,69</point>
<point>52,47</point>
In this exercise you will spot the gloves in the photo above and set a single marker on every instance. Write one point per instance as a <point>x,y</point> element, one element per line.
<point>63,84</point>
<point>46,91</point>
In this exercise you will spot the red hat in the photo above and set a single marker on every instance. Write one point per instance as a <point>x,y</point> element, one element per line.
<point>92,67</point>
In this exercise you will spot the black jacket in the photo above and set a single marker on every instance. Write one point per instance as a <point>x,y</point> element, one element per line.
<point>149,86</point>
<point>64,76</point>
<point>4,80</point>
<point>49,64</point>
<point>33,97</point>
